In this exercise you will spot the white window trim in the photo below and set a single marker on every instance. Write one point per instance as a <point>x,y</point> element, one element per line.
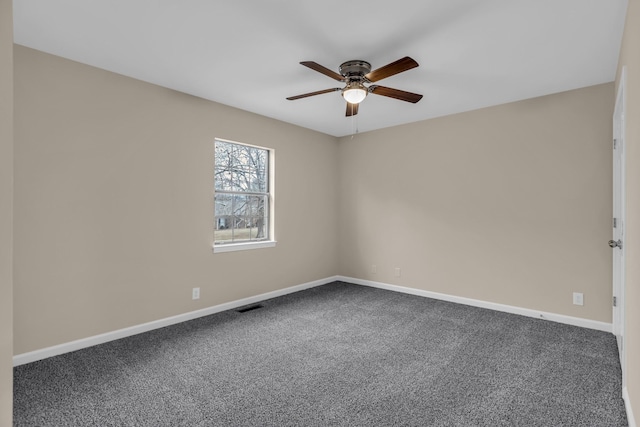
<point>245,246</point>
<point>232,247</point>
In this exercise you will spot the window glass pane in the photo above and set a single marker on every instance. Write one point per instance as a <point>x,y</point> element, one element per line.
<point>259,184</point>
<point>223,205</point>
<point>259,222</point>
<point>262,230</point>
<point>224,220</point>
<point>223,166</point>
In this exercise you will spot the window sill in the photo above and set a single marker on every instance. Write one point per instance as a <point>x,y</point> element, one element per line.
<point>232,247</point>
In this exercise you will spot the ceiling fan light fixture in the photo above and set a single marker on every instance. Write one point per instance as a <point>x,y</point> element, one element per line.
<point>354,93</point>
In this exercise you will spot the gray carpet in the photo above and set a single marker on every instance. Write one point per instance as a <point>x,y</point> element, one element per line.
<point>335,355</point>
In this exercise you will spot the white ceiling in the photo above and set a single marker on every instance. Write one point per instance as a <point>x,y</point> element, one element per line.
<point>246,53</point>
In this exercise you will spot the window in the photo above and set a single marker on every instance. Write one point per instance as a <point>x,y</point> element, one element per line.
<point>242,196</point>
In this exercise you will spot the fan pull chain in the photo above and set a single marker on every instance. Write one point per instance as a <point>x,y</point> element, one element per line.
<point>354,126</point>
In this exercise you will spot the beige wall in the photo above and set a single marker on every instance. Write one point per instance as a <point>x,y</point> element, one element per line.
<point>113,203</point>
<point>6,202</point>
<point>508,204</point>
<point>630,58</point>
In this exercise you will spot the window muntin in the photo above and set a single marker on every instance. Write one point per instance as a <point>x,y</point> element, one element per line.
<point>242,197</point>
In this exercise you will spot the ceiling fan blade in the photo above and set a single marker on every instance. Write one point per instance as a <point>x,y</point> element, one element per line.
<point>320,92</point>
<point>389,70</point>
<point>352,109</point>
<point>324,70</point>
<point>395,93</point>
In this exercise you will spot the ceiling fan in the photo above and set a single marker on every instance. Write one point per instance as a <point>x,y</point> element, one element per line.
<point>356,74</point>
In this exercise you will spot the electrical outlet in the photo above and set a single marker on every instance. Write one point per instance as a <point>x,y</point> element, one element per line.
<point>374,269</point>
<point>397,272</point>
<point>578,298</point>
<point>195,293</point>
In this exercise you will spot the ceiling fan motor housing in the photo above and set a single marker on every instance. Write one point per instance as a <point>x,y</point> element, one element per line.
<point>355,70</point>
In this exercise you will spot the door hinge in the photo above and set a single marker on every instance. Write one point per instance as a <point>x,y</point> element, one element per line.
<point>615,143</point>
<point>615,222</point>
<point>615,301</point>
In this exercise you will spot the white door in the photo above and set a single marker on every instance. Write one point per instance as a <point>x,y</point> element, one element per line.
<point>617,243</point>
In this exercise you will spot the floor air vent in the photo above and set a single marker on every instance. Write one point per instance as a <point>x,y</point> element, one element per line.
<point>249,308</point>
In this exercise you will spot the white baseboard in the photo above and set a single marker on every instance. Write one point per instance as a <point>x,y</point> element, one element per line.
<point>627,403</point>
<point>32,356</point>
<point>569,320</point>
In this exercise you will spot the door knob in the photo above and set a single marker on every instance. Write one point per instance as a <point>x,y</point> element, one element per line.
<point>615,244</point>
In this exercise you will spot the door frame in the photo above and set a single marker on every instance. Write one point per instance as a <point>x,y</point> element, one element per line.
<point>619,213</point>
